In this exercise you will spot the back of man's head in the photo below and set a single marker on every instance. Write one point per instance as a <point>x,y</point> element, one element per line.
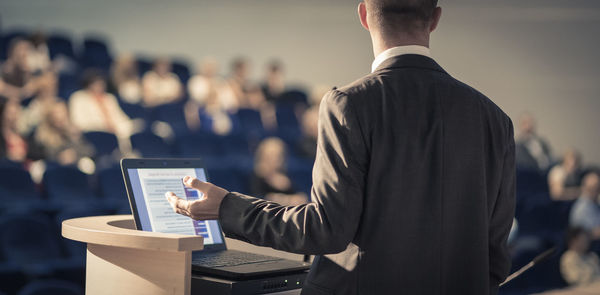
<point>401,16</point>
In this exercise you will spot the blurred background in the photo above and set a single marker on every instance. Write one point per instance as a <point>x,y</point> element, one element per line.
<point>237,83</point>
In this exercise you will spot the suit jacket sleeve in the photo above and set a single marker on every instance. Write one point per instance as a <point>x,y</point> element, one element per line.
<point>502,217</point>
<point>327,224</point>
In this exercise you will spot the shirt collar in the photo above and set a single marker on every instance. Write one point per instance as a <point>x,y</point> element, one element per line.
<point>399,50</point>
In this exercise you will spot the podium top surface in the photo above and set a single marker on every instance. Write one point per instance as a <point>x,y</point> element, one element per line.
<point>119,231</point>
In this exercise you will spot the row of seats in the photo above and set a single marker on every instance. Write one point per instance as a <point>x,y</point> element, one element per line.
<point>93,52</point>
<point>32,248</point>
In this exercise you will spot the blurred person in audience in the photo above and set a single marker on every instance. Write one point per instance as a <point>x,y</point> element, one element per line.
<point>125,79</point>
<point>270,179</point>
<point>579,265</point>
<point>62,141</point>
<point>240,89</point>
<point>14,146</point>
<point>564,178</point>
<point>207,91</point>
<point>18,78</point>
<point>38,58</point>
<point>160,85</point>
<point>585,212</point>
<point>46,96</point>
<point>274,83</point>
<point>310,130</point>
<point>532,151</point>
<point>93,109</point>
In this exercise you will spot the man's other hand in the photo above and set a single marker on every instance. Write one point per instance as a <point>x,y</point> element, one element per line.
<point>202,209</point>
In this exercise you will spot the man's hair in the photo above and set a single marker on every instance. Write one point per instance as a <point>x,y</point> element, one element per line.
<point>408,16</point>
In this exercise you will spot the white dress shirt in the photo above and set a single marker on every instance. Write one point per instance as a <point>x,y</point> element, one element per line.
<point>399,50</point>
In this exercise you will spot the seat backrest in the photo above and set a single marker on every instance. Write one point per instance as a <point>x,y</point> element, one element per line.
<point>51,287</point>
<point>28,239</point>
<point>16,182</point>
<point>104,143</point>
<point>150,145</point>
<point>67,183</point>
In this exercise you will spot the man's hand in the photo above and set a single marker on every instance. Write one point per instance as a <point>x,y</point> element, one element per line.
<point>203,209</point>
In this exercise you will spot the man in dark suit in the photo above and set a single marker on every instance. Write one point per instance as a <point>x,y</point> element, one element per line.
<point>413,184</point>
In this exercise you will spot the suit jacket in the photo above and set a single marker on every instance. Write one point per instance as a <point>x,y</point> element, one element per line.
<point>414,183</point>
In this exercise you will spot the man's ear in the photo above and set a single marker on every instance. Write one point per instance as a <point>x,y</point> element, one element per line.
<point>435,18</point>
<point>362,15</point>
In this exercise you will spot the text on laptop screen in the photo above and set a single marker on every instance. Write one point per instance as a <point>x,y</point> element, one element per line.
<point>149,186</point>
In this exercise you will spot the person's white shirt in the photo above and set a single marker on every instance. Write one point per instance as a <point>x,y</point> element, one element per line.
<point>160,90</point>
<point>199,90</point>
<point>87,115</point>
<point>397,51</point>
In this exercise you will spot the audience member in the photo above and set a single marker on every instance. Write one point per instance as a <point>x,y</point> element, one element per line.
<point>93,109</point>
<point>125,79</point>
<point>38,58</point>
<point>578,265</point>
<point>585,212</point>
<point>205,88</point>
<point>240,89</point>
<point>16,74</point>
<point>46,96</point>
<point>62,141</point>
<point>564,178</point>
<point>160,85</point>
<point>532,151</point>
<point>270,179</point>
<point>14,146</point>
<point>308,142</point>
<point>274,83</point>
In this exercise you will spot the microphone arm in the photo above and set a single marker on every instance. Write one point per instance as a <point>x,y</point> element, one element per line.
<point>532,263</point>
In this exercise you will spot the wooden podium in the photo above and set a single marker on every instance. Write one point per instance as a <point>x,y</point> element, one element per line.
<point>123,260</point>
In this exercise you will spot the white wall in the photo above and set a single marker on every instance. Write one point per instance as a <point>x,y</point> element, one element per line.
<point>537,55</point>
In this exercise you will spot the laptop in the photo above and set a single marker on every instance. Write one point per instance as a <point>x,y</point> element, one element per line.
<point>147,181</point>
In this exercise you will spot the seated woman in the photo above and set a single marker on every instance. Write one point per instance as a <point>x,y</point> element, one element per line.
<point>160,85</point>
<point>207,91</point>
<point>62,141</point>
<point>270,179</point>
<point>46,96</point>
<point>578,265</point>
<point>94,109</point>
<point>125,79</point>
<point>19,81</point>
<point>14,146</point>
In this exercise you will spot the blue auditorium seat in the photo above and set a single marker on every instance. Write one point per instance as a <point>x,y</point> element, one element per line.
<point>133,111</point>
<point>31,242</point>
<point>69,186</point>
<point>17,190</point>
<point>96,54</point>
<point>104,143</point>
<point>182,70</point>
<point>294,97</point>
<point>143,65</point>
<point>67,84</point>
<point>150,145</point>
<point>250,122</point>
<point>288,126</point>
<point>60,44</point>
<point>112,189</point>
<point>530,181</point>
<point>171,114</point>
<point>51,287</point>
<point>229,179</point>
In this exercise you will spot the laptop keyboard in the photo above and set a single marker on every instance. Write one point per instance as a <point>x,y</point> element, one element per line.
<point>230,258</point>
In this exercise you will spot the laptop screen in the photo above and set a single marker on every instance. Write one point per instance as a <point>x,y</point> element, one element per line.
<point>149,186</point>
